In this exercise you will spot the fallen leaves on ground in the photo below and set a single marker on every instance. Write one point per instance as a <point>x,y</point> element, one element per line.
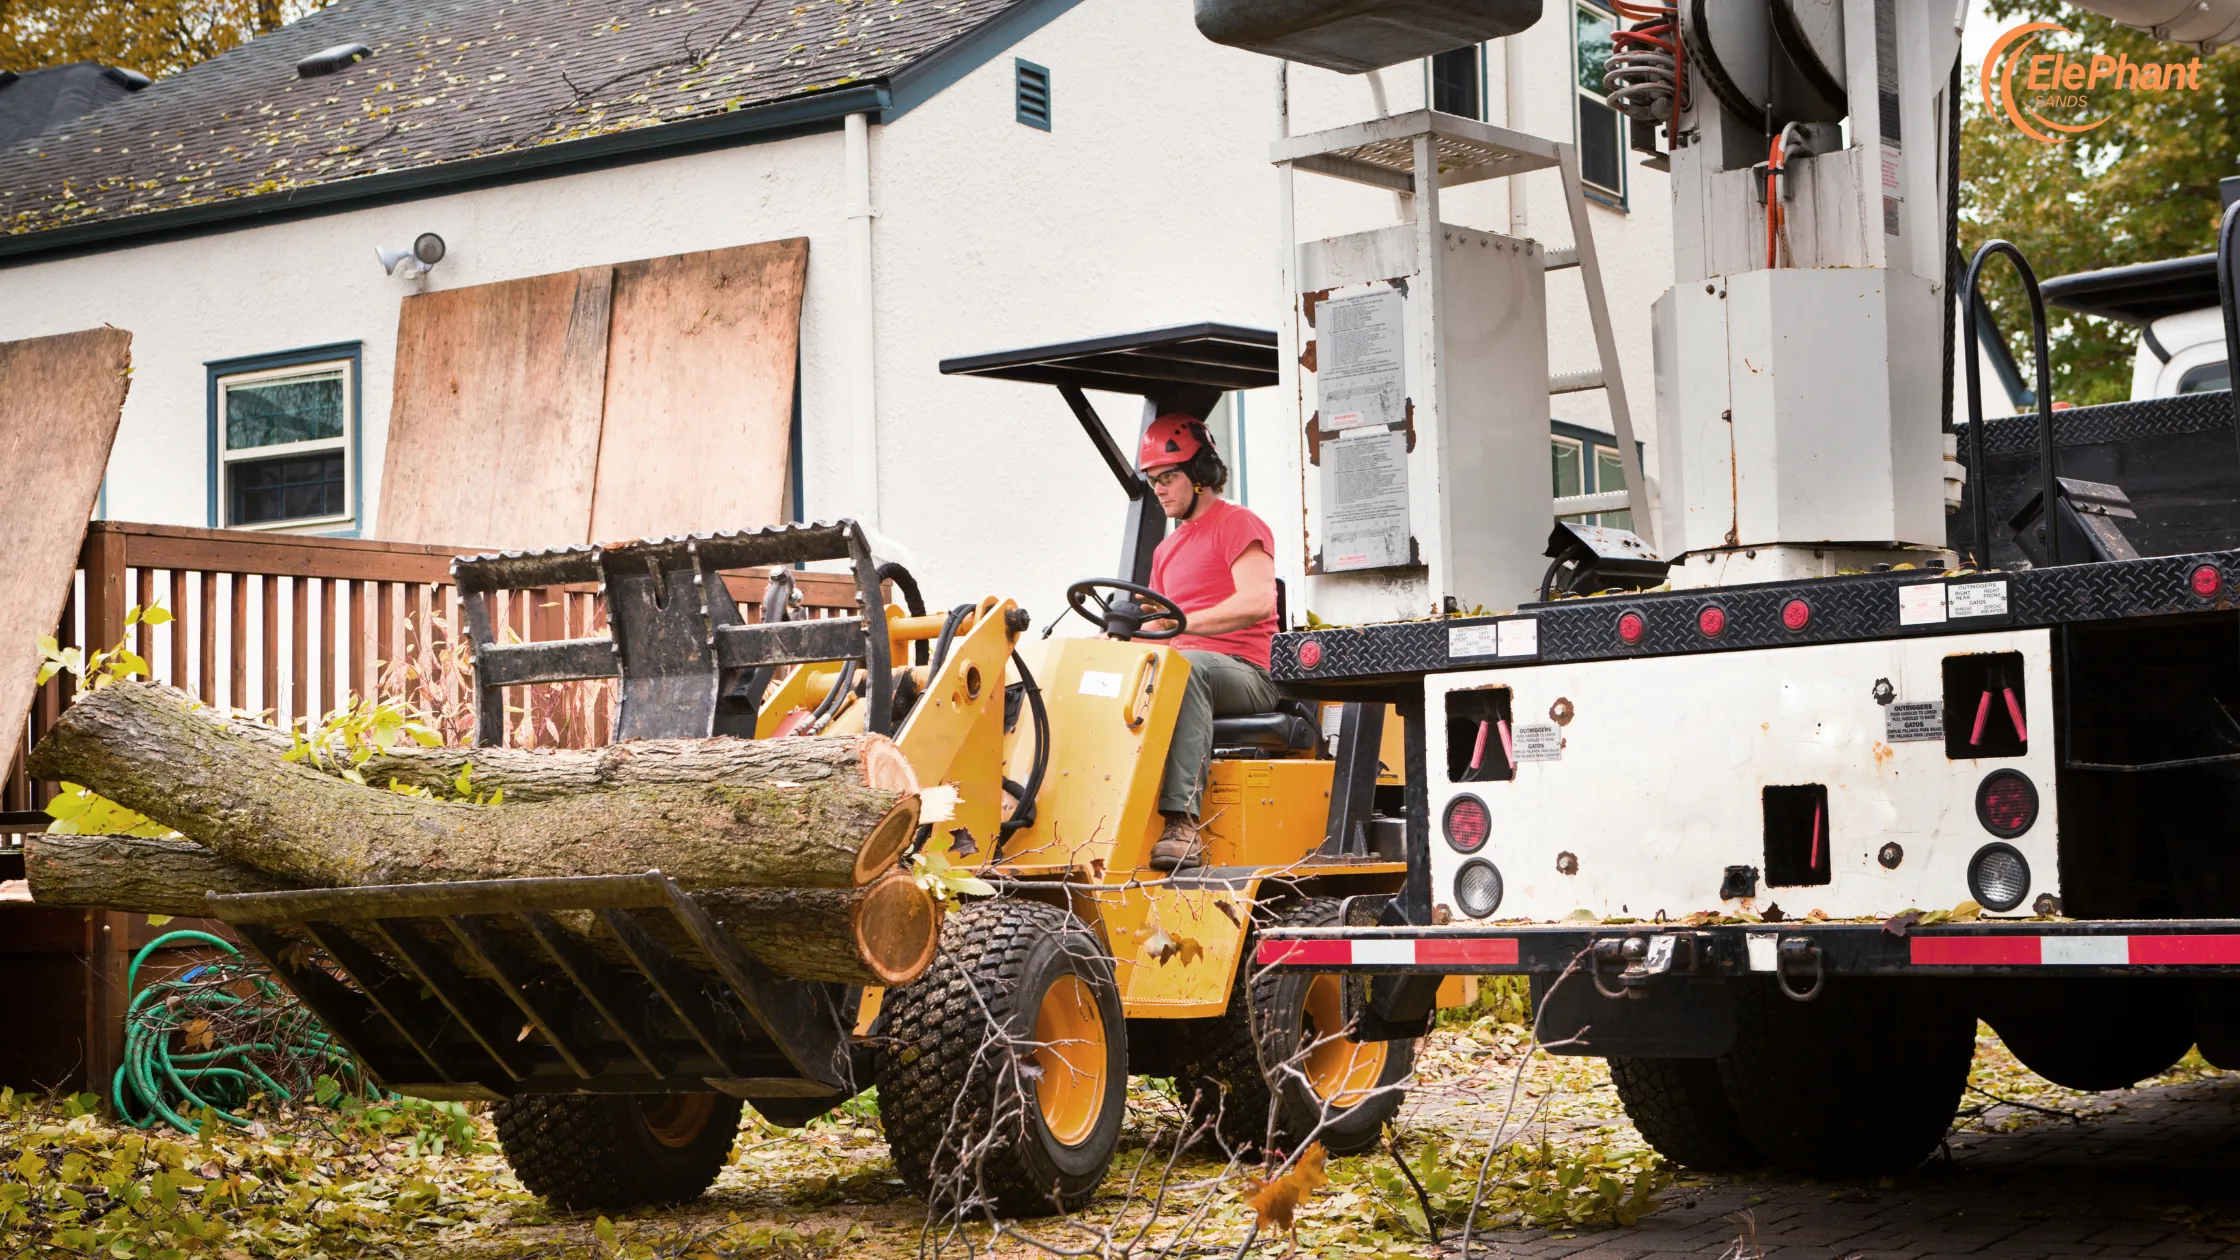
<point>312,1184</point>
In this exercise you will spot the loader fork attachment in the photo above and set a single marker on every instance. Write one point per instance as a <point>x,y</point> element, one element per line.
<point>676,638</point>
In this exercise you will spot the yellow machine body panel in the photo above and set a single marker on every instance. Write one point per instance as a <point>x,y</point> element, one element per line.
<point>1112,707</point>
<point>955,736</point>
<point>1175,948</point>
<point>1264,812</point>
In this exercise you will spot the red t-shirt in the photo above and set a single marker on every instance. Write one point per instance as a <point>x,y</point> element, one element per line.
<point>1191,568</point>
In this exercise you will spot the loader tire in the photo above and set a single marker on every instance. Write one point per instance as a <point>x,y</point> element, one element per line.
<point>1277,1066</point>
<point>1681,1108</point>
<point>1003,1070</point>
<point>616,1151</point>
<point>1861,1081</point>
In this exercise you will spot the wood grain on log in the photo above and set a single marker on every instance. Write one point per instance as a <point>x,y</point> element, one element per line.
<point>791,813</point>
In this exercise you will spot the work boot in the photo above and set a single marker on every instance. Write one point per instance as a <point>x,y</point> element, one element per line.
<point>1178,847</point>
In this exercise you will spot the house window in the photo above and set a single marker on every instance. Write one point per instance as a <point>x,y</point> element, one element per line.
<point>1586,462</point>
<point>1033,92</point>
<point>1570,469</point>
<point>1225,425</point>
<point>1602,143</point>
<point>1458,83</point>
<point>284,436</point>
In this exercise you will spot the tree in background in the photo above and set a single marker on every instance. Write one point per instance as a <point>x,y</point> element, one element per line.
<point>2141,188</point>
<point>154,37</point>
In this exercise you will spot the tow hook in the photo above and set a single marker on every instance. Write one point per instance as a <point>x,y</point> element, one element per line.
<point>1798,957</point>
<point>1634,962</point>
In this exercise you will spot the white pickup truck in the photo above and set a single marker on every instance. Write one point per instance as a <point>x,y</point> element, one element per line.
<point>2173,304</point>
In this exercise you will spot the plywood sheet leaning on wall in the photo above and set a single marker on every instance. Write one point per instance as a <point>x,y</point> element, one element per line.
<point>60,400</point>
<point>494,427</point>
<point>700,387</point>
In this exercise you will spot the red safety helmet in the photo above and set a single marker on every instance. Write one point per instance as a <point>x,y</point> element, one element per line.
<point>1172,439</point>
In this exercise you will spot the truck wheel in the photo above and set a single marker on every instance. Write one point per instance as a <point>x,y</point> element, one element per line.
<point>1681,1108</point>
<point>1004,1069</point>
<point>2092,1033</point>
<point>1861,1081</point>
<point>1278,1065</point>
<point>615,1151</point>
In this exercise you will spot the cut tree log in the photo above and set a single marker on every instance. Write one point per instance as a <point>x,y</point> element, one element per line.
<point>884,933</point>
<point>716,813</point>
<point>550,773</point>
<point>134,874</point>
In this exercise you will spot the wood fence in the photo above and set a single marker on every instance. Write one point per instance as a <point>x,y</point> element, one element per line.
<point>290,626</point>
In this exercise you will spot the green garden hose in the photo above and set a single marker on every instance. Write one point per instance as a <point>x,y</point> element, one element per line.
<point>216,1035</point>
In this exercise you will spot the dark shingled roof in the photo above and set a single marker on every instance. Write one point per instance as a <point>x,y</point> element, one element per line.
<point>452,81</point>
<point>36,100</point>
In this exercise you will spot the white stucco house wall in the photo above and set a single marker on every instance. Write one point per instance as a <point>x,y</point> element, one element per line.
<point>229,218</point>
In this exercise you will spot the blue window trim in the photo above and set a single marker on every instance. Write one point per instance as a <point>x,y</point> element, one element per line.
<point>354,351</point>
<point>1020,68</point>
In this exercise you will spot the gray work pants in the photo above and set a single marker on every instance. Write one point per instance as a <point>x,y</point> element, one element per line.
<point>1220,685</point>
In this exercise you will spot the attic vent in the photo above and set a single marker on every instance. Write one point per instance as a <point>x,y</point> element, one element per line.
<point>1034,94</point>
<point>329,60</point>
<point>129,80</point>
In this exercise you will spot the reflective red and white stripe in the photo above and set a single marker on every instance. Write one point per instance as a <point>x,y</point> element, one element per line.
<point>2075,951</point>
<point>1379,952</point>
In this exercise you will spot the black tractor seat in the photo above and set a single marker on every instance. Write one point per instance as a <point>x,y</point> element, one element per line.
<point>1291,728</point>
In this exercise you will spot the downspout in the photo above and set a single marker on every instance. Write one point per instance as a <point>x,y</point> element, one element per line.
<point>1512,105</point>
<point>860,311</point>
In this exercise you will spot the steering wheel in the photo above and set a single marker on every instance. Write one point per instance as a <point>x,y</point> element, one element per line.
<point>1123,618</point>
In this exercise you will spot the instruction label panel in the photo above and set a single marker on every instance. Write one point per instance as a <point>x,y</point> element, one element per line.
<point>1365,499</point>
<point>1359,378</point>
<point>1913,720</point>
<point>1977,599</point>
<point>1921,604</point>
<point>1539,741</point>
<point>1465,641</point>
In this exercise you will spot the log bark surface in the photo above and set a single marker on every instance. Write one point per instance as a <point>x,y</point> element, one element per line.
<point>881,934</point>
<point>795,813</point>
<point>134,874</point>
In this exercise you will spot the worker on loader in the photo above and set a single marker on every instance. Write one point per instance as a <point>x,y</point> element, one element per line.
<point>1218,566</point>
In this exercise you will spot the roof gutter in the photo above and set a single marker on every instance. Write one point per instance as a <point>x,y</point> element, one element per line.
<point>799,115</point>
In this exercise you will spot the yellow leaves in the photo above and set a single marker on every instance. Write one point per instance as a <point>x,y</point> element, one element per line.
<point>197,1034</point>
<point>937,875</point>
<point>1273,1202</point>
<point>1162,948</point>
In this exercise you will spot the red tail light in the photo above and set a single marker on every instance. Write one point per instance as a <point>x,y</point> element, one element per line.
<point>2006,803</point>
<point>1796,614</point>
<point>2207,581</point>
<point>1630,628</point>
<point>1712,621</point>
<point>1468,824</point>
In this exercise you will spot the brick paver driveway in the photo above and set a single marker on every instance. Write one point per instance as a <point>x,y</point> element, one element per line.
<point>2158,1178</point>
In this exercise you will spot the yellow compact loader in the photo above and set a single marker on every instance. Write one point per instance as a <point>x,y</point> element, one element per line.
<point>1002,1069</point>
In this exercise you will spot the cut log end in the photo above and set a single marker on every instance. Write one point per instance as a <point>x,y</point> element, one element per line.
<point>885,766</point>
<point>897,928</point>
<point>884,847</point>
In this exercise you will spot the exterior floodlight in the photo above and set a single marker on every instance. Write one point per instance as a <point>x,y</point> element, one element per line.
<point>426,251</point>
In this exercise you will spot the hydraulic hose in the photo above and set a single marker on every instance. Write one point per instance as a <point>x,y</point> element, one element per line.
<point>215,1035</point>
<point>1023,816</point>
<point>892,571</point>
<point>949,630</point>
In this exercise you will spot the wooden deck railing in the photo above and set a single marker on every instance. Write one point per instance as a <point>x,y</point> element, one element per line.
<point>291,626</point>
